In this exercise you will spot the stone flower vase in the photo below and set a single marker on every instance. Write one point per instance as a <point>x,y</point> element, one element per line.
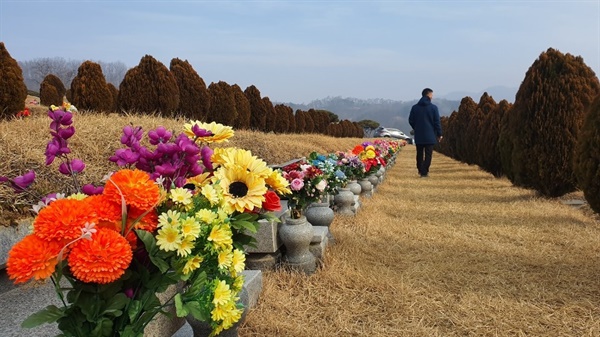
<point>344,200</point>
<point>366,188</point>
<point>374,180</point>
<point>296,234</point>
<point>319,214</point>
<point>354,187</point>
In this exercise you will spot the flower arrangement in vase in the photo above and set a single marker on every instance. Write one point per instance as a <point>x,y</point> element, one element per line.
<point>370,156</point>
<point>175,214</point>
<point>334,175</point>
<point>307,184</point>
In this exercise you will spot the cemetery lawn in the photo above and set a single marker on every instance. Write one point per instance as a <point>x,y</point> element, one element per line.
<point>460,253</point>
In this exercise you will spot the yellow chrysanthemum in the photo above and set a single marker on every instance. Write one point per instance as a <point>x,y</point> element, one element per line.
<point>238,283</point>
<point>190,227</point>
<point>168,238</point>
<point>220,154</point>
<point>222,293</point>
<point>170,218</point>
<point>225,258</point>
<point>238,261</point>
<point>78,196</point>
<point>241,189</point>
<point>278,182</point>
<point>199,180</point>
<point>207,216</point>
<point>220,235</point>
<point>210,193</point>
<point>185,247</point>
<point>370,154</point>
<point>181,196</point>
<point>192,264</point>
<point>220,132</point>
<point>232,315</point>
<point>222,215</point>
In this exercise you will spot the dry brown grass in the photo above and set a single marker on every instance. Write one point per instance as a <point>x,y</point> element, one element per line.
<point>458,254</point>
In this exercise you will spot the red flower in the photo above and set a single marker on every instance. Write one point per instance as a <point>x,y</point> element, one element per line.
<point>272,202</point>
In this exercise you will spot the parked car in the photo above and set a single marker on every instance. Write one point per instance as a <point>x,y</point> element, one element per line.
<point>392,133</point>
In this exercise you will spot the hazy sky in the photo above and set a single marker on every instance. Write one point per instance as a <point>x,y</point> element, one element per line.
<point>297,51</point>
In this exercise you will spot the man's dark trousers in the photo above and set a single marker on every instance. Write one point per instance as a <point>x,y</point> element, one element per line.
<point>424,153</point>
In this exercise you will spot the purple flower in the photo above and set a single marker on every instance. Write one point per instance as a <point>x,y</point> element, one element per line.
<point>60,117</point>
<point>159,135</point>
<point>166,169</point>
<point>49,198</point>
<point>129,292</point>
<point>199,132</point>
<point>206,153</point>
<point>131,135</point>
<point>75,166</point>
<point>124,157</point>
<point>21,183</point>
<point>3,179</point>
<point>90,189</point>
<point>66,133</point>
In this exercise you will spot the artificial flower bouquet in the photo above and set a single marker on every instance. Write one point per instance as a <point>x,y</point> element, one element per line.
<point>351,165</point>
<point>177,214</point>
<point>335,176</point>
<point>370,156</point>
<point>307,184</point>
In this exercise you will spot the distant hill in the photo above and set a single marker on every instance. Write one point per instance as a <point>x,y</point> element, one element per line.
<point>497,92</point>
<point>388,113</point>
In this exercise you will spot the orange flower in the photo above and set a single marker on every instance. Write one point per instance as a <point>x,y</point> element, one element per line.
<point>102,259</point>
<point>109,212</point>
<point>358,149</point>
<point>32,257</point>
<point>148,223</point>
<point>137,188</point>
<point>63,219</point>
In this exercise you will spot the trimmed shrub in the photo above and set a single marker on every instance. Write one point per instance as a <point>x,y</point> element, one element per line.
<point>13,91</point>
<point>460,125</point>
<point>222,104</point>
<point>587,156</point>
<point>89,90</point>
<point>488,149</point>
<point>194,98</point>
<point>543,126</point>
<point>484,107</point>
<point>258,112</point>
<point>52,90</point>
<point>300,121</point>
<point>242,106</point>
<point>271,115</point>
<point>114,93</point>
<point>149,87</point>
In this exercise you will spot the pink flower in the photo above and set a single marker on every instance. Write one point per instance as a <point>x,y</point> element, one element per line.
<point>297,184</point>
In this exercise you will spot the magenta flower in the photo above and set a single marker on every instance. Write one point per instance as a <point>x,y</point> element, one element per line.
<point>90,189</point>
<point>159,135</point>
<point>75,166</point>
<point>21,183</point>
<point>199,132</point>
<point>124,157</point>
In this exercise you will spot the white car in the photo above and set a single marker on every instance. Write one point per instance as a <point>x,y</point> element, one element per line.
<point>392,133</point>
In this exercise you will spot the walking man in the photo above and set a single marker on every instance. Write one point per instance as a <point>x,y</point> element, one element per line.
<point>424,118</point>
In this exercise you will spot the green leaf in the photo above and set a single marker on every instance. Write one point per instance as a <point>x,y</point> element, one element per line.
<point>179,308</point>
<point>195,309</point>
<point>135,307</point>
<point>50,314</point>
<point>115,304</point>
<point>103,329</point>
<point>251,226</point>
<point>147,238</point>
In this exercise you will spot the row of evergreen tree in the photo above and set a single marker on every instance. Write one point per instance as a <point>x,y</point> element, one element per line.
<point>178,91</point>
<point>548,140</point>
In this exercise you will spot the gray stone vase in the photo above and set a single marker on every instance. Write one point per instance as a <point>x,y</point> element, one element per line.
<point>366,188</point>
<point>319,214</point>
<point>296,235</point>
<point>344,200</point>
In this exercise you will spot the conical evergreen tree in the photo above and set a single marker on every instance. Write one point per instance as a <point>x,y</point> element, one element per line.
<point>271,115</point>
<point>89,90</point>
<point>547,114</point>
<point>587,156</point>
<point>149,87</point>
<point>242,106</point>
<point>13,91</point>
<point>258,117</point>
<point>222,103</point>
<point>463,141</point>
<point>52,90</point>
<point>488,139</point>
<point>194,99</point>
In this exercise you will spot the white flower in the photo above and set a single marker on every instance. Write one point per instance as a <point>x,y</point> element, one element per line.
<point>321,185</point>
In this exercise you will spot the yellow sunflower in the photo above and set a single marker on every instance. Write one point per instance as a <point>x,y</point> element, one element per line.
<point>241,189</point>
<point>278,183</point>
<point>231,157</point>
<point>219,132</point>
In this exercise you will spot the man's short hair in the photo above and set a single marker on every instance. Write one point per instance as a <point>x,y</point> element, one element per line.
<point>426,92</point>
